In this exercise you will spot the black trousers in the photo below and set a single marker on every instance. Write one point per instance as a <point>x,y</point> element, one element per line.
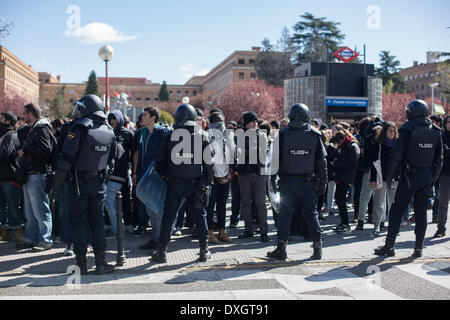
<point>417,185</point>
<point>86,211</point>
<point>235,201</point>
<point>177,190</point>
<point>341,201</point>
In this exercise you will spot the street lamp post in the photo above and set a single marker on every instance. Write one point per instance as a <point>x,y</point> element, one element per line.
<point>433,85</point>
<point>106,53</point>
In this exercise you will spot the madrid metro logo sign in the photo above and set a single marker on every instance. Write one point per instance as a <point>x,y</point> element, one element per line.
<point>346,54</point>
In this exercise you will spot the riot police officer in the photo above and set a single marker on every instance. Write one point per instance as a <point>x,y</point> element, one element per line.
<point>87,158</point>
<point>303,174</point>
<point>188,175</point>
<point>418,155</point>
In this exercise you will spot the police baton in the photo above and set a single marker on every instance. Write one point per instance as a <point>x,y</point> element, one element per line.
<point>120,261</point>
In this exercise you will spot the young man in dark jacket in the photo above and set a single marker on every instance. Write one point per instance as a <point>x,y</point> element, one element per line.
<point>35,158</point>
<point>10,215</point>
<point>120,177</point>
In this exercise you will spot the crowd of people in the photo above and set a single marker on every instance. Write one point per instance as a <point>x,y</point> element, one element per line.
<point>357,158</point>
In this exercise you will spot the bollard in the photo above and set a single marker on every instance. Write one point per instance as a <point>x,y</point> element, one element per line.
<point>120,261</point>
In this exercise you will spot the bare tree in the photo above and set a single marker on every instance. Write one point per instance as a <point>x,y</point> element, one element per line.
<point>5,28</point>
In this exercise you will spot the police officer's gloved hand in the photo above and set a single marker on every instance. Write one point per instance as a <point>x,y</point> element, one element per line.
<point>58,182</point>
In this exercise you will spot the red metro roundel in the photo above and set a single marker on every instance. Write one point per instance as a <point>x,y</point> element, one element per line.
<point>346,54</point>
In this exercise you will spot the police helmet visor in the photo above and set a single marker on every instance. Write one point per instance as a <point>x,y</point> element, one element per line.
<point>78,109</point>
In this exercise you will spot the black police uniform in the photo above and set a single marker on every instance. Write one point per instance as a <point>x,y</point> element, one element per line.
<point>185,180</point>
<point>303,174</point>
<point>418,154</point>
<point>87,156</point>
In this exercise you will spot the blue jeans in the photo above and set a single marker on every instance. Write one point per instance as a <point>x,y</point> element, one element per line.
<point>37,210</point>
<point>10,215</point>
<point>110,204</point>
<point>155,220</point>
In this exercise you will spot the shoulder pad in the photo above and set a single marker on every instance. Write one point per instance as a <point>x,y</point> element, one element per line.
<point>316,131</point>
<point>83,122</point>
<point>435,127</point>
<point>407,126</point>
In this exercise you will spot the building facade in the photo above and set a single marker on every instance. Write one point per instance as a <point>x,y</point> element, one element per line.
<point>17,78</point>
<point>419,77</point>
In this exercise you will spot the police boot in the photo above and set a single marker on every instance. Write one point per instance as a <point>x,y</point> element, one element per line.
<point>205,254</point>
<point>388,249</point>
<point>160,255</point>
<point>279,253</point>
<point>418,247</point>
<point>101,267</point>
<point>81,263</point>
<point>317,246</point>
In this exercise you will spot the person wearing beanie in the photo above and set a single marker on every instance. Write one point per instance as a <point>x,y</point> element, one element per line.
<point>250,177</point>
<point>118,181</point>
<point>10,215</point>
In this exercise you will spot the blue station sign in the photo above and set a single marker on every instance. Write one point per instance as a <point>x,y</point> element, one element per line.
<point>346,102</point>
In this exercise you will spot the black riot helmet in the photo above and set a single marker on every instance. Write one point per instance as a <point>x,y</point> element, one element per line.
<point>89,104</point>
<point>300,113</point>
<point>417,109</point>
<point>185,116</point>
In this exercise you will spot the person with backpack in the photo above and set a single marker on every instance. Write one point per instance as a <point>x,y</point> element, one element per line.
<point>35,157</point>
<point>124,143</point>
<point>150,138</point>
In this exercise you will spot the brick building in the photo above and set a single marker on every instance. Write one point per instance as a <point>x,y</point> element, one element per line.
<point>420,76</point>
<point>17,78</point>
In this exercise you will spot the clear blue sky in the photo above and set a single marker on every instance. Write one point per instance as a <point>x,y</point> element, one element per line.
<point>168,40</point>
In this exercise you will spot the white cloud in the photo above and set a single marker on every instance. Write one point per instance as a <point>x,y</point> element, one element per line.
<point>186,68</point>
<point>189,71</point>
<point>98,33</point>
<point>202,73</point>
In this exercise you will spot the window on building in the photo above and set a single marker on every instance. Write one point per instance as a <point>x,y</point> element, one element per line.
<point>186,93</point>
<point>241,75</point>
<point>148,99</point>
<point>156,99</point>
<point>241,61</point>
<point>171,93</point>
<point>55,91</point>
<point>251,61</point>
<point>178,93</point>
<point>71,91</point>
<point>45,91</point>
<point>138,99</point>
<point>252,75</point>
<point>194,93</point>
<point>423,87</point>
<point>47,81</point>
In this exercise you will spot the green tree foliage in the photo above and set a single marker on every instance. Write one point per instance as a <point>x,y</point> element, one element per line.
<point>92,85</point>
<point>311,37</point>
<point>164,95</point>
<point>57,108</point>
<point>388,71</point>
<point>275,66</point>
<point>166,117</point>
